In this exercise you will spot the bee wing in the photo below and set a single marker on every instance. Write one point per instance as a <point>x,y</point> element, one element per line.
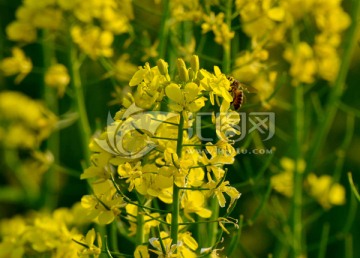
<point>250,89</point>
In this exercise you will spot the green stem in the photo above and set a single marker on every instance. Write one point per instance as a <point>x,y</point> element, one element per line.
<point>84,126</point>
<point>213,228</point>
<point>227,45</point>
<point>164,29</point>
<point>176,190</point>
<point>114,236</point>
<point>140,237</point>
<point>296,217</point>
<point>49,197</point>
<point>337,89</point>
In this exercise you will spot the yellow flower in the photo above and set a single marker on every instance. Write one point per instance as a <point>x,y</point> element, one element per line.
<point>123,69</point>
<point>103,206</point>
<point>186,10</point>
<point>283,182</point>
<point>57,77</point>
<point>141,251</point>
<point>17,64</point>
<point>188,98</point>
<point>325,190</point>
<point>21,31</point>
<point>303,64</point>
<point>47,18</point>
<point>89,248</point>
<point>260,18</point>
<point>218,27</point>
<point>169,248</point>
<point>133,174</point>
<point>28,122</point>
<point>93,41</point>
<point>217,84</point>
<point>185,247</point>
<point>193,202</point>
<point>219,191</point>
<point>226,122</point>
<point>13,240</point>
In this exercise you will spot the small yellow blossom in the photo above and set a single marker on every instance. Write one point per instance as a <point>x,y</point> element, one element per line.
<point>325,191</point>
<point>57,77</point>
<point>193,202</point>
<point>219,191</point>
<point>104,205</point>
<point>303,64</point>
<point>21,31</point>
<point>283,182</point>
<point>28,122</point>
<point>89,248</point>
<point>188,98</point>
<point>141,251</point>
<point>17,64</point>
<point>218,27</point>
<point>93,41</point>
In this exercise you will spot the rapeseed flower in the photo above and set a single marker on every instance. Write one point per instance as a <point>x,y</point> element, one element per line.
<point>151,151</point>
<point>18,64</point>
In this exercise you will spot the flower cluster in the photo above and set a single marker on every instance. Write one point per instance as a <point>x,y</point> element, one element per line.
<point>150,152</point>
<point>322,188</point>
<point>24,125</point>
<point>279,26</point>
<point>92,27</point>
<point>53,235</point>
<point>25,122</point>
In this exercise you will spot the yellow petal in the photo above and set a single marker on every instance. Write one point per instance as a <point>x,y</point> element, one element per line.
<point>276,14</point>
<point>190,241</point>
<point>204,213</point>
<point>174,93</point>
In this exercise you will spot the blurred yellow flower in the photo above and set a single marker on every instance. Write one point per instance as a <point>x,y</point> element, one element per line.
<point>18,64</point>
<point>93,41</point>
<point>283,181</point>
<point>220,29</point>
<point>303,64</point>
<point>21,31</point>
<point>327,192</point>
<point>28,122</point>
<point>57,77</point>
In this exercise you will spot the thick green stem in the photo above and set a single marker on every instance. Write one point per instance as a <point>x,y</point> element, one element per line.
<point>296,217</point>
<point>84,126</point>
<point>213,227</point>
<point>176,190</point>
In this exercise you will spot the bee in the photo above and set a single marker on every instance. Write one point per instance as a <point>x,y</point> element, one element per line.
<point>237,90</point>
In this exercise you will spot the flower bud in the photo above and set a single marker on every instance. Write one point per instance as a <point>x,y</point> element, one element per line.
<point>183,72</point>
<point>163,67</point>
<point>194,62</point>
